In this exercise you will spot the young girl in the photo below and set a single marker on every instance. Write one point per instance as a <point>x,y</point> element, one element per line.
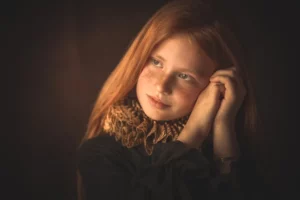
<point>171,120</point>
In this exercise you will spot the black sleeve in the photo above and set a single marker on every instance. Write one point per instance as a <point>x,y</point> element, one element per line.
<point>173,172</point>
<point>104,169</point>
<point>176,172</point>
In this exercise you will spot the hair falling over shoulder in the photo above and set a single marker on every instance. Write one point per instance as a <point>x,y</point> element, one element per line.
<point>199,22</point>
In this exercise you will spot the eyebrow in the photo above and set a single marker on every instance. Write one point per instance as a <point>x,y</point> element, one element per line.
<point>196,72</point>
<point>160,57</point>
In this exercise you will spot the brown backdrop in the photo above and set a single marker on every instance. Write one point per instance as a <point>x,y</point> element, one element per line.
<point>59,54</point>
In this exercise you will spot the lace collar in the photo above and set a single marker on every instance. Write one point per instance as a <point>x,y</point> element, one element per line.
<point>129,124</point>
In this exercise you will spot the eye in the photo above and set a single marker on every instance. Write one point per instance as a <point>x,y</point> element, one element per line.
<point>184,76</point>
<point>155,62</point>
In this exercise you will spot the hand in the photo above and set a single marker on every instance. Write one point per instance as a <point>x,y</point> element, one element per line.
<point>233,92</point>
<point>202,116</point>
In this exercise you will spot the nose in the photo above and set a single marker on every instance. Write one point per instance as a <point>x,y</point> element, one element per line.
<point>163,84</point>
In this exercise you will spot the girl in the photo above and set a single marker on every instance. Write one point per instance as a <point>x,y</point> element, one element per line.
<point>170,121</point>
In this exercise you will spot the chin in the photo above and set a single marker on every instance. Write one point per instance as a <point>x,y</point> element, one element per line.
<point>158,116</point>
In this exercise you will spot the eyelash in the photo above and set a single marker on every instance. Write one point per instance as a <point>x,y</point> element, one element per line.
<point>154,62</point>
<point>188,77</point>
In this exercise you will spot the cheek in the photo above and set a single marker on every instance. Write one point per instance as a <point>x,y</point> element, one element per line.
<point>188,97</point>
<point>190,94</point>
<point>143,80</point>
<point>145,75</point>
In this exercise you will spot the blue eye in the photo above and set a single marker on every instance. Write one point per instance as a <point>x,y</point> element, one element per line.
<point>155,62</point>
<point>184,76</point>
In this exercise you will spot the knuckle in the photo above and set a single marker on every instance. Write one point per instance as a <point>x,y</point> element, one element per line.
<point>234,73</point>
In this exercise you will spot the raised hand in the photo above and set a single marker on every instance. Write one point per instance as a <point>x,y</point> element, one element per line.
<point>202,116</point>
<point>216,108</point>
<point>233,92</point>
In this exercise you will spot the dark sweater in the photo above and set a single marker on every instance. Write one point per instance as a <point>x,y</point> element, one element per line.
<point>173,172</point>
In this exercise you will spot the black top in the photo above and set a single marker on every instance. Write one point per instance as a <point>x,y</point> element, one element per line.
<point>173,172</point>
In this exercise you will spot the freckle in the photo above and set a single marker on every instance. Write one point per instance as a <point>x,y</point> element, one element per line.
<point>147,73</point>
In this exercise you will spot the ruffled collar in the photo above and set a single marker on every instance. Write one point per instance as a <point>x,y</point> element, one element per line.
<point>129,124</point>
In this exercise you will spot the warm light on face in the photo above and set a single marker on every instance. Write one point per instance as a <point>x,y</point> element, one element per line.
<point>173,77</point>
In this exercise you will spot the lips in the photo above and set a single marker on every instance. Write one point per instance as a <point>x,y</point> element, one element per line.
<point>157,103</point>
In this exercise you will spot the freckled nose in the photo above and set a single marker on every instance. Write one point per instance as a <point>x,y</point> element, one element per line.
<point>163,84</point>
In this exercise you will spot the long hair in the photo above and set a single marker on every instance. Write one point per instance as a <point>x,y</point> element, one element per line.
<point>198,22</point>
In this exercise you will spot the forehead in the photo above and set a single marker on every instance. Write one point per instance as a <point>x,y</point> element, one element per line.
<point>184,52</point>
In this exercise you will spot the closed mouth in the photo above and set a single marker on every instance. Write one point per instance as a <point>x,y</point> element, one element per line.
<point>157,100</point>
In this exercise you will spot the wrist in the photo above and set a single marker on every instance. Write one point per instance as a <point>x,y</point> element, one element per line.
<point>228,148</point>
<point>225,164</point>
<point>224,122</point>
<point>225,142</point>
<point>190,139</point>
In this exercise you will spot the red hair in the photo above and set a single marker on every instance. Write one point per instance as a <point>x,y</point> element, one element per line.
<point>195,20</point>
<point>198,22</point>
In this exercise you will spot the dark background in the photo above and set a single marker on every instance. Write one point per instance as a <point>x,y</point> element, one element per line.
<point>57,54</point>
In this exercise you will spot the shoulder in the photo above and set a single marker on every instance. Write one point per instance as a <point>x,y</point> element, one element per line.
<point>100,149</point>
<point>102,152</point>
<point>100,145</point>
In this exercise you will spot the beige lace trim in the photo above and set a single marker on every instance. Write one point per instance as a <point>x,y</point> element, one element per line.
<point>129,124</point>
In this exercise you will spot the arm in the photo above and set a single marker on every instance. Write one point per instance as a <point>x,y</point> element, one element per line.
<point>226,154</point>
<point>103,170</point>
<point>173,171</point>
<point>225,157</point>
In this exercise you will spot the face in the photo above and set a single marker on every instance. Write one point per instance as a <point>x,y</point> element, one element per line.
<point>172,79</point>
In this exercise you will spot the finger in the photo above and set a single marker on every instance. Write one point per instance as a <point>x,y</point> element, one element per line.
<point>229,83</point>
<point>231,72</point>
<point>220,86</point>
<point>233,88</point>
<point>218,89</point>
